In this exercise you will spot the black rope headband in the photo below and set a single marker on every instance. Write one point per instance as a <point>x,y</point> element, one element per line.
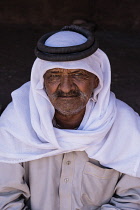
<point>70,53</point>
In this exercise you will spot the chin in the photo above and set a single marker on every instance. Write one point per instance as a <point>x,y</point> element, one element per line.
<point>70,111</point>
<point>69,107</point>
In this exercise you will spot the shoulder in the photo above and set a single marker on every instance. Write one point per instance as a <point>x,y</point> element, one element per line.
<point>21,92</point>
<point>19,103</point>
<point>125,110</point>
<point>127,119</point>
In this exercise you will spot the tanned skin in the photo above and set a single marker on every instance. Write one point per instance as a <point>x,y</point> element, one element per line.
<point>69,91</point>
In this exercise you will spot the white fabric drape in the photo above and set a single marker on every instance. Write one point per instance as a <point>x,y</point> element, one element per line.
<point>109,131</point>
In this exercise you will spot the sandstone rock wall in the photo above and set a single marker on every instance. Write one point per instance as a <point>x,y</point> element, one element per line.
<point>123,14</point>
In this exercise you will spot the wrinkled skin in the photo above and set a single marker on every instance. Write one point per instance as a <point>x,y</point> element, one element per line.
<point>69,91</point>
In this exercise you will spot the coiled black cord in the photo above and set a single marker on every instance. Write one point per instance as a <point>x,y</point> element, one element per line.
<point>70,53</point>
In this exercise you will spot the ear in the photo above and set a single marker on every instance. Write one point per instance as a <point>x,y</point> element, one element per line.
<point>96,82</point>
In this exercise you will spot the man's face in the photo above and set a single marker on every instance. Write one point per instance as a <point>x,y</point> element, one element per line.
<point>69,89</point>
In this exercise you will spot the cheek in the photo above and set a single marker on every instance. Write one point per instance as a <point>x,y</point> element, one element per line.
<point>50,88</point>
<point>92,84</point>
<point>86,87</point>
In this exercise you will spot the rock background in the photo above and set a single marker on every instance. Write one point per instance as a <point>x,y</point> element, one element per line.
<point>122,14</point>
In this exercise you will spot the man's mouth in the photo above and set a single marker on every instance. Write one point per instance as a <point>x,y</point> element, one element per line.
<point>72,96</point>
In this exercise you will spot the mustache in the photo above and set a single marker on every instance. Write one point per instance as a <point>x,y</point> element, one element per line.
<point>72,93</point>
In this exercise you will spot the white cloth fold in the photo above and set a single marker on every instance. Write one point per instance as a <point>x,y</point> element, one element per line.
<point>109,131</point>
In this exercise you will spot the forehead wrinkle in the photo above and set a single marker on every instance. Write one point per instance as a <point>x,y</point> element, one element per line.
<point>67,71</point>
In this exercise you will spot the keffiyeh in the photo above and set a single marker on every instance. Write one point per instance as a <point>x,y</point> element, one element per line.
<point>109,131</point>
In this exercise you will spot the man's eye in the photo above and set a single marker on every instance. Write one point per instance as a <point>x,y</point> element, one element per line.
<point>54,76</point>
<point>79,75</point>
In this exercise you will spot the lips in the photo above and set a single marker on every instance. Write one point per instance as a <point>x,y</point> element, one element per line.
<point>67,96</point>
<point>71,94</point>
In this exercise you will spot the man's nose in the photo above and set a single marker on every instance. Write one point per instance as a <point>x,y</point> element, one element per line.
<point>66,84</point>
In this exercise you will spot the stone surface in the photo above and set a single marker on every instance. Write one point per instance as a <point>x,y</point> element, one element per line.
<point>122,14</point>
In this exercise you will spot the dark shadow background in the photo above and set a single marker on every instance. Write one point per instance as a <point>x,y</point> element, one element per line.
<point>116,24</point>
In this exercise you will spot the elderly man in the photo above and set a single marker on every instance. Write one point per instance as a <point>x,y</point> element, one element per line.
<point>66,142</point>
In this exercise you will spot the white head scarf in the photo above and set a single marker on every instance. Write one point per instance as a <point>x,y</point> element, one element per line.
<point>26,124</point>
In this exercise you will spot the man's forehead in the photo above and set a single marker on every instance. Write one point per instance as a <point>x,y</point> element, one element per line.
<point>62,70</point>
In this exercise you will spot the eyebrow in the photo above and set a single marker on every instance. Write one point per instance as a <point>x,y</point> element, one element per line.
<point>59,71</point>
<point>54,71</point>
<point>80,70</point>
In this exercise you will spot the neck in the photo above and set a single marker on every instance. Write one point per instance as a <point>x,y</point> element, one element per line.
<point>69,121</point>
